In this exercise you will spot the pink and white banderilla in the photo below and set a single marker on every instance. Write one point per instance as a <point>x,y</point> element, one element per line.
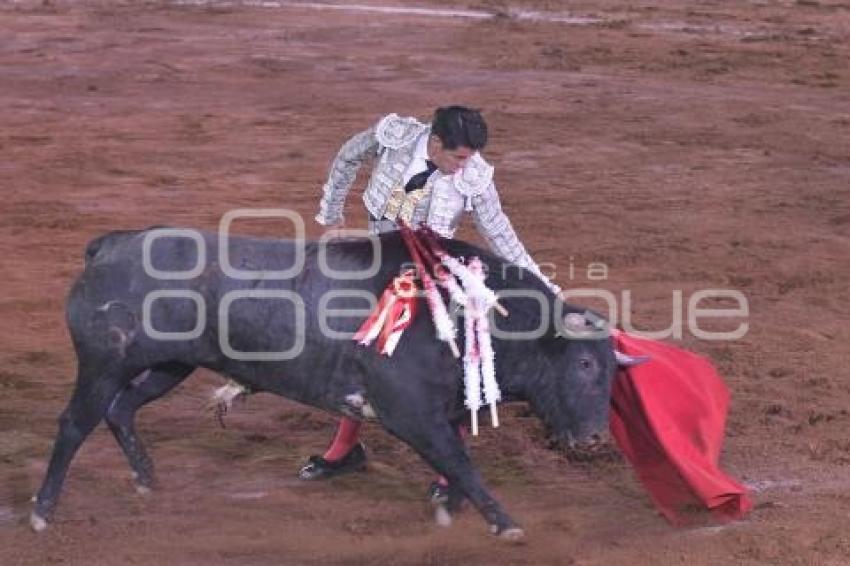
<point>479,366</point>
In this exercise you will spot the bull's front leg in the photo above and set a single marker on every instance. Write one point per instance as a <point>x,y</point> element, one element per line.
<point>443,449</point>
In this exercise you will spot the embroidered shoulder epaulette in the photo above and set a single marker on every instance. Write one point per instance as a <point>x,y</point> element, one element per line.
<point>394,131</point>
<point>475,176</point>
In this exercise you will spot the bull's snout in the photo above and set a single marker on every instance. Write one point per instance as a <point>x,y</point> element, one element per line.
<point>592,447</point>
<point>594,440</point>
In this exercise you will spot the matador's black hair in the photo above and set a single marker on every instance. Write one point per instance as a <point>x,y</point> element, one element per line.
<point>459,126</point>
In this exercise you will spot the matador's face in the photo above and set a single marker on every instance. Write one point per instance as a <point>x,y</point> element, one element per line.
<point>447,160</point>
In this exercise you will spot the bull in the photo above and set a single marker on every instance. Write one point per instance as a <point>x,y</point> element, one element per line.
<point>139,290</point>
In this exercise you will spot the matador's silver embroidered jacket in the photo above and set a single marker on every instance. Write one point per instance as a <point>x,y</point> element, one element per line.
<point>441,205</point>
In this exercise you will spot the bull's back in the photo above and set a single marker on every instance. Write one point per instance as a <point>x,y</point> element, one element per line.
<point>123,268</point>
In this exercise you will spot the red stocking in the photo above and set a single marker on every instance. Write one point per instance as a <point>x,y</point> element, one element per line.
<point>347,437</point>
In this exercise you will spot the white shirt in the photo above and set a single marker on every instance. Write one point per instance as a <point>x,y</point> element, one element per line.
<point>420,155</point>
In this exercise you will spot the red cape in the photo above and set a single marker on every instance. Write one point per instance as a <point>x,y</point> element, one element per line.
<point>668,417</point>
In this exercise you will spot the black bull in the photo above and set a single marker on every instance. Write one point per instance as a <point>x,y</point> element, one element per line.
<point>416,395</point>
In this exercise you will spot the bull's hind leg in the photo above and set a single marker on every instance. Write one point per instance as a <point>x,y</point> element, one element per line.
<point>92,395</point>
<point>147,387</point>
<point>446,498</point>
<point>443,449</point>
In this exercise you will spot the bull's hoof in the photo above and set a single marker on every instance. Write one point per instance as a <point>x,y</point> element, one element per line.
<point>512,534</point>
<point>438,495</point>
<point>143,483</point>
<point>37,522</point>
<point>442,516</point>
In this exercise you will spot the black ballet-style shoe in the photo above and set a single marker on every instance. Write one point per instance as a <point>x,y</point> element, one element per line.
<point>317,468</point>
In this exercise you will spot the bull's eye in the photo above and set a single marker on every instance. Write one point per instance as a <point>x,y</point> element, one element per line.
<point>584,363</point>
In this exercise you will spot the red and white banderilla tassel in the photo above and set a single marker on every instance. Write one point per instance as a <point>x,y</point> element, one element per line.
<point>471,370</point>
<point>446,331</point>
<point>479,362</point>
<point>472,284</point>
<point>394,313</point>
<point>448,282</point>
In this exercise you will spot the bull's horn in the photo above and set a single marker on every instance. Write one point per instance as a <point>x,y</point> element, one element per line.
<point>628,361</point>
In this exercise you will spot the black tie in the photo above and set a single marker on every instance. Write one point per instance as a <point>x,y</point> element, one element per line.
<point>418,181</point>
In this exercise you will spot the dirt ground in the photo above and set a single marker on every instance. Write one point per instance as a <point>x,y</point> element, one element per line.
<point>686,145</point>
